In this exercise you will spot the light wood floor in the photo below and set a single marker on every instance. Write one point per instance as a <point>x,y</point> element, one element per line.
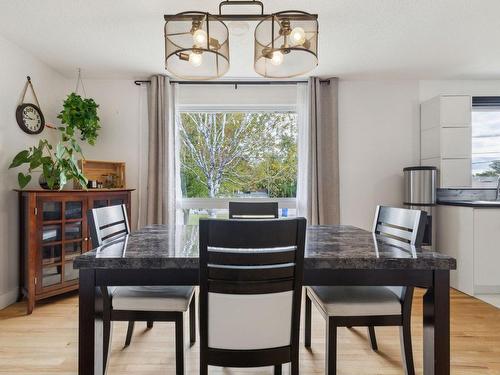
<point>46,343</point>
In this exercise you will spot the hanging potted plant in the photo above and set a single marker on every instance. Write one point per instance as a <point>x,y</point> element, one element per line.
<point>79,114</point>
<point>58,165</point>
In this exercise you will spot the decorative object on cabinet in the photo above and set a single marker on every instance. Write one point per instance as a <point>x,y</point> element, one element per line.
<point>53,231</point>
<point>103,174</point>
<point>29,116</point>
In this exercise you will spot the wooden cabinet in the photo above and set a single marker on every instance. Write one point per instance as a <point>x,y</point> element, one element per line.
<point>53,232</point>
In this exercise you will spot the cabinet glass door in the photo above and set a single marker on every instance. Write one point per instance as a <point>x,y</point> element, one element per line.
<point>62,239</point>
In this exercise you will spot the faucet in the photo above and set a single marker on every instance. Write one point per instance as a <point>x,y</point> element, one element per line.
<point>498,189</point>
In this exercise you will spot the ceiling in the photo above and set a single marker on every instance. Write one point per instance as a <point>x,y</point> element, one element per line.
<point>387,39</point>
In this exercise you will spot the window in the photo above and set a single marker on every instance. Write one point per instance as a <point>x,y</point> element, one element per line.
<point>485,141</point>
<point>236,154</point>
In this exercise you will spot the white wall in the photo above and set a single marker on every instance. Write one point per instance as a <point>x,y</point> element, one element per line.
<point>431,88</point>
<point>378,137</point>
<point>123,114</point>
<point>15,65</point>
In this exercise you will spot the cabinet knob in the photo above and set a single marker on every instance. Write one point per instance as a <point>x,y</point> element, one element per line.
<point>86,239</point>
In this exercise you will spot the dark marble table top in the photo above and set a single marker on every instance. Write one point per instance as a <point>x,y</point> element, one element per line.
<point>327,247</point>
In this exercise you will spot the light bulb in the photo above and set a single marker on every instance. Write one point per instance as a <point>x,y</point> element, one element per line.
<point>195,59</point>
<point>298,36</point>
<point>277,58</point>
<point>200,38</point>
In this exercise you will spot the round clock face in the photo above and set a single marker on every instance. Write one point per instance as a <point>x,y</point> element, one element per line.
<point>30,118</point>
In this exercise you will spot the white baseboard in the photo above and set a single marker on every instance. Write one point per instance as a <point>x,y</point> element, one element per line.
<point>8,298</point>
<point>486,289</point>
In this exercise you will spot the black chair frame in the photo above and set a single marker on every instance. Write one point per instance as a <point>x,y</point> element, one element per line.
<point>241,234</point>
<point>397,225</point>
<point>131,316</point>
<point>332,322</point>
<point>245,210</point>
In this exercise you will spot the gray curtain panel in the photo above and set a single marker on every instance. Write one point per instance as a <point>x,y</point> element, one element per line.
<point>160,202</point>
<point>323,203</point>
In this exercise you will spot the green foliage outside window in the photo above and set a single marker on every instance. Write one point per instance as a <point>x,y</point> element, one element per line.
<point>230,153</point>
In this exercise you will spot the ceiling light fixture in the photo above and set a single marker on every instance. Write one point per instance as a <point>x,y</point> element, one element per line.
<point>196,46</point>
<point>197,43</point>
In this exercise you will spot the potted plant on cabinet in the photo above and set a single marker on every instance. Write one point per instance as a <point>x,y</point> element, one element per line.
<point>58,164</point>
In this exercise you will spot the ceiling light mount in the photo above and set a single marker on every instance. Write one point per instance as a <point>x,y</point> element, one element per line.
<point>197,43</point>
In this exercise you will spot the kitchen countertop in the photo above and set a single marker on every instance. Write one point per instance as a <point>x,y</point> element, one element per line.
<point>470,203</point>
<point>327,247</point>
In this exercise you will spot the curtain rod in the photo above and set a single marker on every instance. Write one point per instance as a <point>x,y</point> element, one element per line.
<point>234,83</point>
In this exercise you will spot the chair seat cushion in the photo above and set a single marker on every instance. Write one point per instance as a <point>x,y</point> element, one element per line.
<point>356,300</point>
<point>152,298</point>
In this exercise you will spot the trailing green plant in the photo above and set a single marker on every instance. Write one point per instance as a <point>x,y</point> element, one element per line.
<point>58,165</point>
<point>79,114</point>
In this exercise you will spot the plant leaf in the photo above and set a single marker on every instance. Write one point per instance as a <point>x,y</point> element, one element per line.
<point>23,179</point>
<point>62,179</point>
<point>20,158</point>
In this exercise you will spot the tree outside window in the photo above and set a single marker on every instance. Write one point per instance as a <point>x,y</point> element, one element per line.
<point>238,154</point>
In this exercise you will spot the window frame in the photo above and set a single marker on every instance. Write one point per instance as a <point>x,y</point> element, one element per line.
<point>223,203</point>
<point>483,104</point>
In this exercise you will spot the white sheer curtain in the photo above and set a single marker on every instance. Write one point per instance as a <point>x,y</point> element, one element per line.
<point>318,172</point>
<point>303,181</point>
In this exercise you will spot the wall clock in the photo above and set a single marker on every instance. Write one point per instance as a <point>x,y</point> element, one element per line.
<point>30,118</point>
<point>28,115</point>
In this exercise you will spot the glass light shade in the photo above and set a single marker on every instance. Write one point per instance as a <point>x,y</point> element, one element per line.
<point>196,46</point>
<point>294,35</point>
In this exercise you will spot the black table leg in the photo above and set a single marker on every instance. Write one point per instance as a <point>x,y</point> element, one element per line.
<point>90,327</point>
<point>437,325</point>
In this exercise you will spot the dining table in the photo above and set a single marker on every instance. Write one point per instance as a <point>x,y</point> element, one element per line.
<point>334,255</point>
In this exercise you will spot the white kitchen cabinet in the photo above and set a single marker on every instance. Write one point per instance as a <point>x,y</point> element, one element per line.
<point>455,110</point>
<point>455,173</point>
<point>487,250</point>
<point>456,143</point>
<point>472,236</point>
<point>455,237</point>
<point>430,113</point>
<point>430,140</point>
<point>445,123</point>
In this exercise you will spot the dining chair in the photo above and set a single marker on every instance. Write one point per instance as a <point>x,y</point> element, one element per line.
<point>348,306</point>
<point>253,210</point>
<point>250,292</point>
<point>139,303</point>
